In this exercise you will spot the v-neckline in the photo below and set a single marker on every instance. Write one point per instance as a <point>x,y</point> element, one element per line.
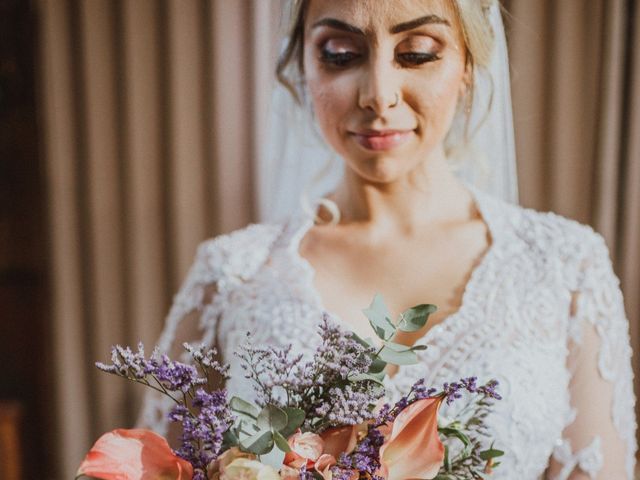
<point>475,278</point>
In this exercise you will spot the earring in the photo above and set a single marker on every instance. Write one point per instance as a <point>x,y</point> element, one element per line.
<point>468,102</point>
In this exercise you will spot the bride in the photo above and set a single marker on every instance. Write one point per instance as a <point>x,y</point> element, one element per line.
<point>398,89</point>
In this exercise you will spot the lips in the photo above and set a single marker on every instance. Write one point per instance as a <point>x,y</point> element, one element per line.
<point>382,139</point>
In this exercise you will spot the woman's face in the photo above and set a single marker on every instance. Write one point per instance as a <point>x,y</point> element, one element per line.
<point>384,77</point>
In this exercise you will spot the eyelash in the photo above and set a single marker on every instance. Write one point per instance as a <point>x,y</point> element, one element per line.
<point>343,59</point>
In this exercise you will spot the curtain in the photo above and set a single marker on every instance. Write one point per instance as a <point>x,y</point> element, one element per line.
<point>151,120</point>
<point>576,90</point>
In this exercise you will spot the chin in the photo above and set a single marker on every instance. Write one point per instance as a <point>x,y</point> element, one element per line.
<point>382,169</point>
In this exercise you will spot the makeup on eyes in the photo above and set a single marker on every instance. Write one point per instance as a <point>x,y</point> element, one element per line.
<point>414,51</point>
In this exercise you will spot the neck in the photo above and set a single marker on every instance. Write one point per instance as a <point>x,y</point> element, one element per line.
<point>428,195</point>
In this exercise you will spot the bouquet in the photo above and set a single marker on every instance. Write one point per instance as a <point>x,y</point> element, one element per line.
<point>318,418</point>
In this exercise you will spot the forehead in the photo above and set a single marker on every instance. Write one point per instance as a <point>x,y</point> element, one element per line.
<point>377,16</point>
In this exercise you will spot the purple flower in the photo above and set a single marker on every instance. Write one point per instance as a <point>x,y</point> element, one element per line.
<point>320,386</point>
<point>489,389</point>
<point>202,434</point>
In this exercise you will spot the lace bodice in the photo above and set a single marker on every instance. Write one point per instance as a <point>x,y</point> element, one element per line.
<point>542,313</point>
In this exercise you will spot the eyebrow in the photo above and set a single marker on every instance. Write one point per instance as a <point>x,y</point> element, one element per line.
<point>411,24</point>
<point>401,27</point>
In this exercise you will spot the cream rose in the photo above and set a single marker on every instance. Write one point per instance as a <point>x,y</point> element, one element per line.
<point>308,445</point>
<point>247,469</point>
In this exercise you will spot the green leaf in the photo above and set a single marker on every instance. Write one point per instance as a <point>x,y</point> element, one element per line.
<point>415,318</point>
<point>295,418</point>
<point>454,432</point>
<point>404,357</point>
<point>364,377</point>
<point>365,342</point>
<point>491,453</point>
<point>281,442</point>
<point>397,347</point>
<point>244,408</point>
<point>380,318</point>
<point>417,348</point>
<point>447,460</point>
<point>230,438</point>
<point>260,443</point>
<point>272,417</point>
<point>378,365</point>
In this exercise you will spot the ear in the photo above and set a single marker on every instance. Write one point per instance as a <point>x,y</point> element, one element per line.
<point>466,84</point>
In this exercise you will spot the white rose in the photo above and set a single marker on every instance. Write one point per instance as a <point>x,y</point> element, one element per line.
<point>247,469</point>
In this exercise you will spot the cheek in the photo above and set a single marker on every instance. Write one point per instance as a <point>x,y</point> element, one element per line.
<point>437,98</point>
<point>332,101</point>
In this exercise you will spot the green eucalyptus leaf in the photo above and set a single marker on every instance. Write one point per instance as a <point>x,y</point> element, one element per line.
<point>295,418</point>
<point>244,408</point>
<point>398,347</point>
<point>380,318</point>
<point>417,348</point>
<point>491,453</point>
<point>260,443</point>
<point>281,442</point>
<point>366,377</point>
<point>272,417</point>
<point>365,342</point>
<point>416,317</point>
<point>404,357</point>
<point>230,438</point>
<point>378,365</point>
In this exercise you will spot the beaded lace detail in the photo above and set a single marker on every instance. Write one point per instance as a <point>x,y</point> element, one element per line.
<point>514,324</point>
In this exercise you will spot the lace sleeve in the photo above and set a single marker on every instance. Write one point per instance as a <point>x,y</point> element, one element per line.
<point>221,265</point>
<point>193,318</point>
<point>599,440</point>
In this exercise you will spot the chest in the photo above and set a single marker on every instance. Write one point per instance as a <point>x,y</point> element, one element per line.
<point>435,270</point>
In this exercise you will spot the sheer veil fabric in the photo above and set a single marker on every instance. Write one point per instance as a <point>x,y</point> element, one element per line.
<point>298,166</point>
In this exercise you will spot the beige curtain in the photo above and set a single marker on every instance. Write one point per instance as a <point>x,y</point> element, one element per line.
<point>576,89</point>
<point>152,112</point>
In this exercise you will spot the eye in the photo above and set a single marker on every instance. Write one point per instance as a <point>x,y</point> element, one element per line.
<point>418,58</point>
<point>419,49</point>
<point>339,52</point>
<point>338,59</point>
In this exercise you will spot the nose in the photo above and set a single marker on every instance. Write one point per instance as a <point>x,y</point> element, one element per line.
<point>380,87</point>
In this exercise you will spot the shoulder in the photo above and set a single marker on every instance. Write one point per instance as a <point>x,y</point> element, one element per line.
<point>556,233</point>
<point>237,255</point>
<point>556,241</point>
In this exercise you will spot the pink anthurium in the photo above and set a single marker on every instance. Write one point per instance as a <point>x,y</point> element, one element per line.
<point>134,454</point>
<point>413,449</point>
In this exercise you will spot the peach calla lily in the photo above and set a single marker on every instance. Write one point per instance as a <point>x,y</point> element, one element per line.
<point>323,466</point>
<point>339,440</point>
<point>413,449</point>
<point>134,454</point>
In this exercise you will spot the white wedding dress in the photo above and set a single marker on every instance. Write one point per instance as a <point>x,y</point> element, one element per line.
<point>542,313</point>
